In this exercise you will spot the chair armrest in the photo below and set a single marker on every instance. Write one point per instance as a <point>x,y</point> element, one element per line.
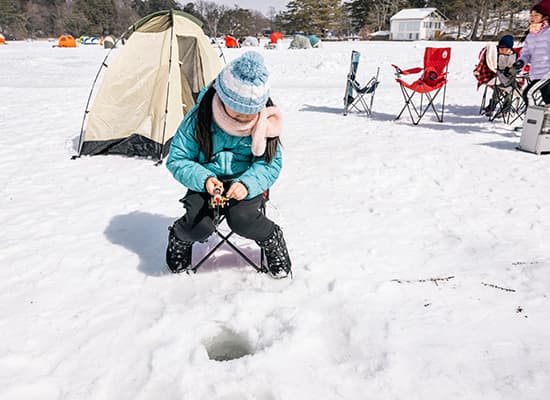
<point>399,71</point>
<point>409,71</point>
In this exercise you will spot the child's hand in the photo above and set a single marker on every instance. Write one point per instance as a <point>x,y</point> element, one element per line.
<point>212,184</point>
<point>237,191</point>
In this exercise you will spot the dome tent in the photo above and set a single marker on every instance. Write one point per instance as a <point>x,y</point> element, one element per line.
<point>250,41</point>
<point>314,41</point>
<point>300,42</point>
<point>149,86</point>
<point>275,37</point>
<point>90,40</point>
<point>108,42</point>
<point>231,42</point>
<point>66,41</point>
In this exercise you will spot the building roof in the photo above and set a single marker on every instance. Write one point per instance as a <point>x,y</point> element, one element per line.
<point>416,13</point>
<point>380,33</point>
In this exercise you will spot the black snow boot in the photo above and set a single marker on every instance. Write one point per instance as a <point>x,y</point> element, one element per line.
<point>178,253</point>
<point>278,260</point>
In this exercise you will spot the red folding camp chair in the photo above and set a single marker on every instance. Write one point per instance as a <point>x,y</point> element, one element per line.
<point>432,81</point>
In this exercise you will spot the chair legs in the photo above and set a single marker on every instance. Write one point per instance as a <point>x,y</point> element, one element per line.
<point>426,102</point>
<point>507,105</point>
<point>360,105</point>
<point>364,96</point>
<point>225,239</point>
<point>484,101</point>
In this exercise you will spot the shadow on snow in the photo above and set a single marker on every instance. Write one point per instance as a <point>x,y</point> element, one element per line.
<point>146,235</point>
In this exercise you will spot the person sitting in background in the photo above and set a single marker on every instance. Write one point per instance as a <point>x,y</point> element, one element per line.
<point>505,76</point>
<point>536,52</point>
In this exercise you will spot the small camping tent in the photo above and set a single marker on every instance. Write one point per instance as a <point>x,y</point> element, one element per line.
<point>250,41</point>
<point>300,42</point>
<point>66,41</point>
<point>231,42</point>
<point>275,37</point>
<point>90,40</point>
<point>108,42</point>
<point>314,41</point>
<point>149,86</point>
<point>2,39</point>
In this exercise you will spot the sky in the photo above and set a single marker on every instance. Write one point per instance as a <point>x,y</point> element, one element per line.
<point>262,6</point>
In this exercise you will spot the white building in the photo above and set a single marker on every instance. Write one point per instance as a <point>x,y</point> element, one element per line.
<point>417,24</point>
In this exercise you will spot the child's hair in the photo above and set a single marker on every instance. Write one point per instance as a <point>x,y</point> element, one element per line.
<point>204,124</point>
<point>524,36</point>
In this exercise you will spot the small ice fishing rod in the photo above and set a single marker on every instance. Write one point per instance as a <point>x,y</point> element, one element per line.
<point>218,200</point>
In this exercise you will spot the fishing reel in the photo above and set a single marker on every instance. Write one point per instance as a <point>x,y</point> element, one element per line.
<point>218,200</point>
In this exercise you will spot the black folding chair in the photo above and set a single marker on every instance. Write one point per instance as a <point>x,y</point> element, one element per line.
<point>507,103</point>
<point>224,237</point>
<point>356,96</point>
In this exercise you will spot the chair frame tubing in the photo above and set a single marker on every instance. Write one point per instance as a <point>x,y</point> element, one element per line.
<point>516,108</point>
<point>409,103</point>
<point>515,111</point>
<point>483,104</point>
<point>359,91</point>
<point>367,106</point>
<point>224,239</point>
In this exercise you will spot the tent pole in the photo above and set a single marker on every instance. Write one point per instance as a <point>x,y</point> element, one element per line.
<point>161,155</point>
<point>222,54</point>
<point>86,110</point>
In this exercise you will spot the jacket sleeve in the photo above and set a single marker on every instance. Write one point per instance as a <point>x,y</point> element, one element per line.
<point>183,159</point>
<point>262,175</point>
<point>525,54</point>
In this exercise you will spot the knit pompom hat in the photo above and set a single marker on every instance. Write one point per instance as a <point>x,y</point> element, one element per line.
<point>243,84</point>
<point>506,42</point>
<point>542,7</point>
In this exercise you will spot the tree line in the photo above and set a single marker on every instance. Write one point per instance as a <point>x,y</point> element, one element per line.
<point>21,19</point>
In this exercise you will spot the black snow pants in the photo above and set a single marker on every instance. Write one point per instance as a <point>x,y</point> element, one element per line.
<point>243,217</point>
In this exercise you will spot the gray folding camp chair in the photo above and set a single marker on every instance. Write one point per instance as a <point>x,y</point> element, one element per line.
<point>356,96</point>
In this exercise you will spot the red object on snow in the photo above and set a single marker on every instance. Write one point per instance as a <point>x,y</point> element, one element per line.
<point>231,42</point>
<point>275,37</point>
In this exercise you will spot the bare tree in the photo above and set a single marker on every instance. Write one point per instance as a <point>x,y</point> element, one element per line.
<point>211,13</point>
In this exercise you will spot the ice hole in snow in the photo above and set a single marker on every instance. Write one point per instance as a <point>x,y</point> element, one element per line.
<point>227,345</point>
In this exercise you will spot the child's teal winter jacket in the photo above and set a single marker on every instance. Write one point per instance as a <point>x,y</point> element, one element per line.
<point>232,159</point>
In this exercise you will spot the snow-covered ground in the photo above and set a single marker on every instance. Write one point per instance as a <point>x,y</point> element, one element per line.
<point>421,253</point>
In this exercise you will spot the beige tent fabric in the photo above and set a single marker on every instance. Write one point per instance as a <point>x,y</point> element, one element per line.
<point>159,23</point>
<point>209,59</point>
<point>129,100</point>
<point>132,96</point>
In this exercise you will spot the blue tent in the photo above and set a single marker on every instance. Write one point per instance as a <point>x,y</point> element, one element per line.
<point>314,40</point>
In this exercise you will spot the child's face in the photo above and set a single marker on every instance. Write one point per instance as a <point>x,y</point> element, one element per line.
<point>536,17</point>
<point>504,50</point>
<point>238,116</point>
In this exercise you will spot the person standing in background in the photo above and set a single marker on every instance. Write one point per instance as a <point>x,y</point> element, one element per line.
<point>536,52</point>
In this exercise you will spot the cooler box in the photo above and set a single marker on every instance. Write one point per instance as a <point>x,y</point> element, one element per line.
<point>535,136</point>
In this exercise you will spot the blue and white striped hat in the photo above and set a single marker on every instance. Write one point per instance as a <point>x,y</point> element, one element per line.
<point>243,84</point>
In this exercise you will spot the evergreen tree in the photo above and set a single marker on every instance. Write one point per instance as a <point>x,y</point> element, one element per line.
<point>12,19</point>
<point>94,17</point>
<point>313,16</point>
<point>358,11</point>
<point>144,8</point>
